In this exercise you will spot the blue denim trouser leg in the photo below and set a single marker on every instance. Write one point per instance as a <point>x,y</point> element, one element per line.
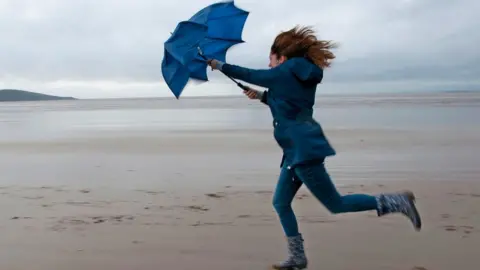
<point>287,187</point>
<point>317,180</point>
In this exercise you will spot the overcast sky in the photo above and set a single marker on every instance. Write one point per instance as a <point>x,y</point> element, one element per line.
<point>114,48</point>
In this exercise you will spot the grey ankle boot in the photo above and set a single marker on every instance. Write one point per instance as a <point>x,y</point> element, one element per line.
<point>403,203</point>
<point>296,259</point>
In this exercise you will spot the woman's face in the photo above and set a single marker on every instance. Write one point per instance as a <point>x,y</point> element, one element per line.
<point>275,60</point>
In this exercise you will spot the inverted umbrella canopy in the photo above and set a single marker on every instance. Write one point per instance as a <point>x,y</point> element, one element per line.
<point>206,35</point>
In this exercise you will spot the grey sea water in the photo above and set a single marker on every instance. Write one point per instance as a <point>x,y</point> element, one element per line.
<point>50,120</point>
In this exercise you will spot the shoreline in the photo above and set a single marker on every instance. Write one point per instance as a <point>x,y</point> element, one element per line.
<point>184,159</point>
<point>325,100</point>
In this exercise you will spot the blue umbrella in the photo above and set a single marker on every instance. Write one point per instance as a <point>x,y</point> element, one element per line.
<point>206,35</point>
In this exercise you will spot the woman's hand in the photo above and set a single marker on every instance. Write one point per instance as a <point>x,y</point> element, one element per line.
<point>213,63</point>
<point>249,92</point>
<point>252,93</point>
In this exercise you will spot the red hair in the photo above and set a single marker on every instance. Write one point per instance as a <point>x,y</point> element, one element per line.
<point>302,42</point>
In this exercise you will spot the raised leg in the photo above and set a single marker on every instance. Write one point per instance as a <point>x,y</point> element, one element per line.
<point>318,181</point>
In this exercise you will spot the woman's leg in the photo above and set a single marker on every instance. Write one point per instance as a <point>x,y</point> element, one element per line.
<point>287,187</point>
<point>285,191</point>
<point>318,181</point>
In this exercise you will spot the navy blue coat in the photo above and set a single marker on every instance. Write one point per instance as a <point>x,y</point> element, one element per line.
<point>290,97</point>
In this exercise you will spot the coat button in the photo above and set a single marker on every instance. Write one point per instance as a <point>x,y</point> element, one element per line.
<point>289,167</point>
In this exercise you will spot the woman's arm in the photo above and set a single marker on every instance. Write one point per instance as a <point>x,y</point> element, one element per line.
<point>261,77</point>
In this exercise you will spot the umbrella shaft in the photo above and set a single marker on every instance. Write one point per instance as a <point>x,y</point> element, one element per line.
<point>238,84</point>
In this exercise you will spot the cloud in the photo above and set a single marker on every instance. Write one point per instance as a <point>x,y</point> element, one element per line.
<point>114,48</point>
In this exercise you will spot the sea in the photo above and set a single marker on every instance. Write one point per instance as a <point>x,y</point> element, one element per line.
<point>50,120</point>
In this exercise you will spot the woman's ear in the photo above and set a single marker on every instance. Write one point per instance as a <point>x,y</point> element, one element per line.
<point>282,59</point>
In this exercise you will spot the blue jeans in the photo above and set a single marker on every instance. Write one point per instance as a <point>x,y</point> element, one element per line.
<point>317,180</point>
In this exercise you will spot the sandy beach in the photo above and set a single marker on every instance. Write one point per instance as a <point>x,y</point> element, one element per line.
<point>202,200</point>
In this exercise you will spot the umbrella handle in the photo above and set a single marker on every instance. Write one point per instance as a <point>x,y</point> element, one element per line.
<point>238,83</point>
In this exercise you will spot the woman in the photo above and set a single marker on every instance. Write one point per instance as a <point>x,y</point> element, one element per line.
<point>297,61</point>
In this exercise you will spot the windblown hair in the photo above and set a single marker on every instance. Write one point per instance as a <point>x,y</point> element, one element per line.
<point>302,42</point>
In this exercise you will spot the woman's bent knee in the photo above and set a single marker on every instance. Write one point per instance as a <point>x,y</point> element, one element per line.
<point>281,206</point>
<point>335,209</point>
<point>335,206</point>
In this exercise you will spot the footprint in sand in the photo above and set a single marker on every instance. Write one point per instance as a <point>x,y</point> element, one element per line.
<point>74,222</point>
<point>445,216</point>
<point>465,229</point>
<point>100,220</point>
<point>33,197</point>
<point>215,195</point>
<point>78,203</point>
<point>197,208</point>
<point>93,220</point>
<point>474,195</point>
<point>17,218</point>
<point>151,192</point>
<point>211,224</point>
<point>450,228</point>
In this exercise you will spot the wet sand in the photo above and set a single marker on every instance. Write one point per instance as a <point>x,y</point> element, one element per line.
<point>203,201</point>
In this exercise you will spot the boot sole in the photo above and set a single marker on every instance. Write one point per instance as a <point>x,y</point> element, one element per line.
<point>412,199</point>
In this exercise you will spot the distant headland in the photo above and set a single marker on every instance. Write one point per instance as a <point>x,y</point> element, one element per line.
<point>7,95</point>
